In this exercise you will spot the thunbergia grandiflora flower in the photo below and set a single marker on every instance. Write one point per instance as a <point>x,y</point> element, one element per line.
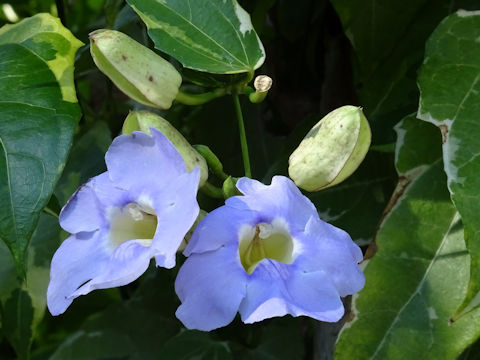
<point>266,254</point>
<point>140,208</point>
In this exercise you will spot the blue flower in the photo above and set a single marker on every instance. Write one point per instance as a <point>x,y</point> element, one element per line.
<point>266,254</point>
<point>140,208</point>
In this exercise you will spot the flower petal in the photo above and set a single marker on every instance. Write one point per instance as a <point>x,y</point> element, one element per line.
<point>176,208</point>
<point>329,249</point>
<point>280,199</point>
<point>81,212</point>
<point>314,295</point>
<point>85,211</point>
<point>276,289</point>
<point>80,258</point>
<point>125,264</point>
<point>221,227</point>
<point>265,296</point>
<point>211,286</point>
<point>140,160</point>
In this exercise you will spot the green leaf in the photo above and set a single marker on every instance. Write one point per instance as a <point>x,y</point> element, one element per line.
<point>449,82</point>
<point>413,138</point>
<point>389,40</point>
<point>45,241</point>
<point>282,339</point>
<point>197,345</point>
<point>39,113</point>
<point>17,319</point>
<point>85,161</point>
<point>135,329</point>
<point>46,37</point>
<point>358,203</point>
<point>213,36</point>
<point>420,273</point>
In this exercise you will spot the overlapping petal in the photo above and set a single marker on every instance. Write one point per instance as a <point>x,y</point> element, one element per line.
<point>138,161</point>
<point>280,199</point>
<point>276,289</point>
<point>211,287</point>
<point>80,259</point>
<point>222,228</point>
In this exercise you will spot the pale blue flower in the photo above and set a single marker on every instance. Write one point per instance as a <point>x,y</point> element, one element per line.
<point>266,254</point>
<point>140,208</point>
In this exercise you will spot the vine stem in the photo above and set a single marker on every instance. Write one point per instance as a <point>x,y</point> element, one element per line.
<point>243,137</point>
<point>198,99</point>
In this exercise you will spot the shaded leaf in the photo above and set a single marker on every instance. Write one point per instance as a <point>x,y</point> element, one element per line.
<point>213,36</point>
<point>449,82</point>
<point>389,41</point>
<point>135,329</point>
<point>45,241</point>
<point>280,340</point>
<point>85,161</point>
<point>197,345</point>
<point>358,203</point>
<point>17,320</point>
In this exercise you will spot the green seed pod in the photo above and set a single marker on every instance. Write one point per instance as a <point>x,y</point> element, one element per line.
<point>136,70</point>
<point>144,120</point>
<point>332,150</point>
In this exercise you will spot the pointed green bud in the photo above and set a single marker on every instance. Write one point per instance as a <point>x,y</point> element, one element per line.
<point>229,187</point>
<point>213,161</point>
<point>332,150</point>
<point>136,70</point>
<point>144,120</point>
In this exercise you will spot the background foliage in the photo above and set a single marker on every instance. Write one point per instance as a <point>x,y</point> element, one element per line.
<point>414,67</point>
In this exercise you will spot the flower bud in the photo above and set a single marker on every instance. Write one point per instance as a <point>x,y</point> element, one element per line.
<point>144,120</point>
<point>229,187</point>
<point>136,70</point>
<point>332,150</point>
<point>262,84</point>
<point>212,160</point>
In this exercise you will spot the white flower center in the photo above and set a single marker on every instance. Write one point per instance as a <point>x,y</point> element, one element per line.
<point>132,222</point>
<point>265,241</point>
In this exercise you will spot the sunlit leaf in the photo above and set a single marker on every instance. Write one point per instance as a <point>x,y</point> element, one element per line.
<point>420,273</point>
<point>214,36</point>
<point>449,82</point>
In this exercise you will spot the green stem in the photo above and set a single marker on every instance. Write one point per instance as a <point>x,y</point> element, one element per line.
<point>243,137</point>
<point>212,191</point>
<point>198,99</point>
<point>49,211</point>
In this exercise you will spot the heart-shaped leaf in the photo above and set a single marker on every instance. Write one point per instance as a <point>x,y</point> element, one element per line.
<point>213,36</point>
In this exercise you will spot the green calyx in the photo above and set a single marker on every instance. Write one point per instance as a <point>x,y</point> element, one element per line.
<point>144,120</point>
